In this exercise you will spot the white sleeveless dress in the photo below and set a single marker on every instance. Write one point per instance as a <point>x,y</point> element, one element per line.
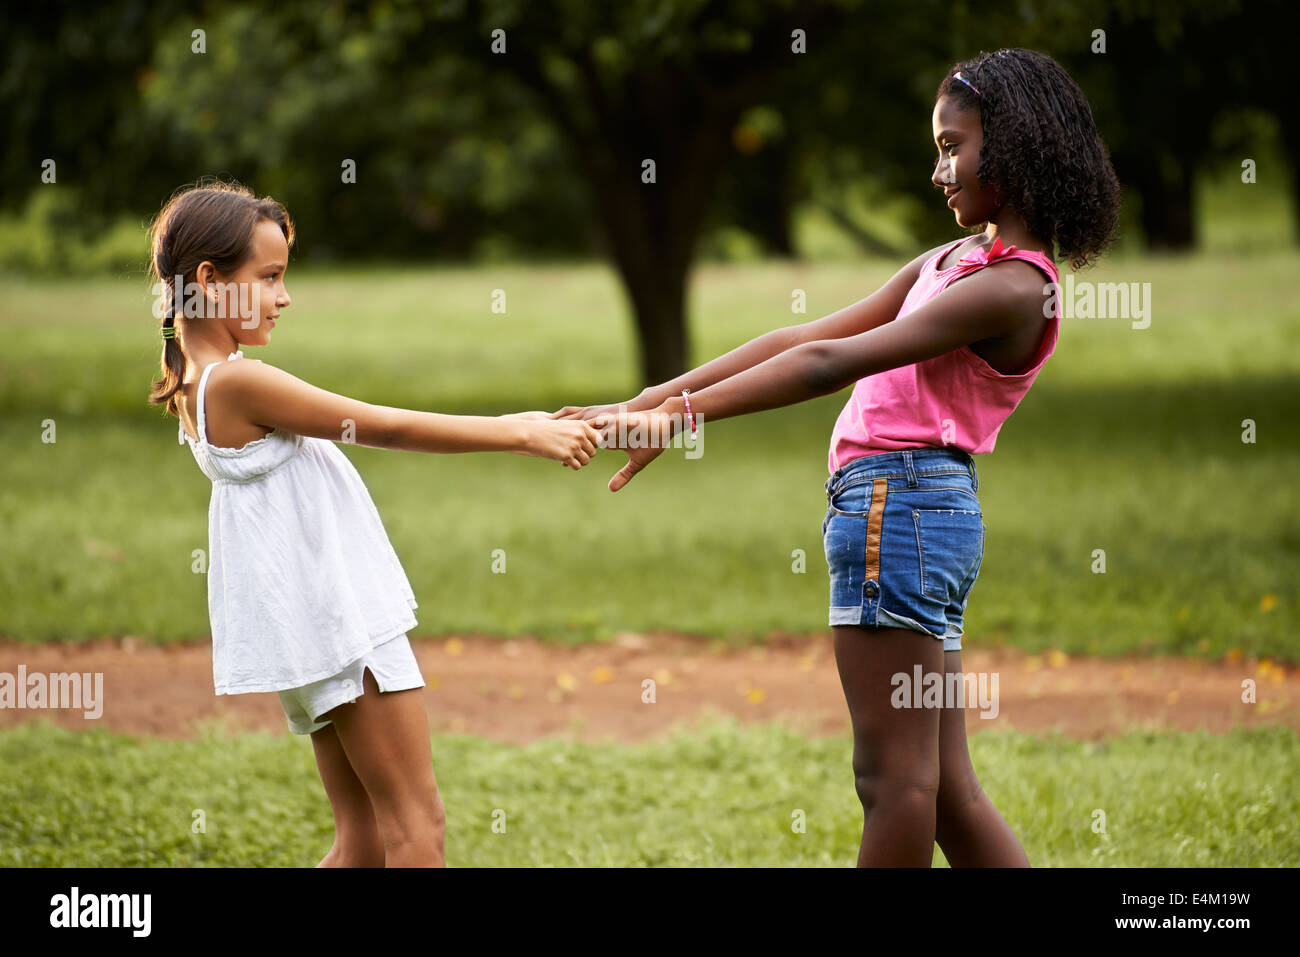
<point>302,579</point>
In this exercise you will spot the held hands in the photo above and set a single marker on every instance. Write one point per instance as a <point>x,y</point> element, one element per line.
<point>572,435</point>
<point>586,413</point>
<point>571,442</point>
<point>643,435</point>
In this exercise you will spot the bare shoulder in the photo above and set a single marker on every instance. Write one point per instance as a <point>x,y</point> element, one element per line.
<point>1006,299</point>
<point>1026,286</point>
<point>228,424</point>
<point>270,397</point>
<point>1005,283</point>
<point>231,379</point>
<point>245,387</point>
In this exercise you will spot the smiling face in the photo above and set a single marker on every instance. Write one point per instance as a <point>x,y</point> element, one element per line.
<point>959,136</point>
<point>254,294</point>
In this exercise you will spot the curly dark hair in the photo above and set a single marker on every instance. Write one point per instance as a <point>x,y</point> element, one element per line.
<point>1041,149</point>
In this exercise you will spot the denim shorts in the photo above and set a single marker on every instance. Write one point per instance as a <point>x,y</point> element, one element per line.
<point>904,538</point>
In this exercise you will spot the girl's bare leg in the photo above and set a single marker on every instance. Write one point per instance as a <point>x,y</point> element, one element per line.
<point>386,739</point>
<point>356,836</point>
<point>969,828</point>
<point>895,750</point>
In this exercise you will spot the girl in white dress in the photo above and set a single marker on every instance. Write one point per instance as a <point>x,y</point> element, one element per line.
<point>306,596</point>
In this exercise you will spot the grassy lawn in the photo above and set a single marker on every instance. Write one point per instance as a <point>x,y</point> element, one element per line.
<point>716,796</point>
<point>1130,442</point>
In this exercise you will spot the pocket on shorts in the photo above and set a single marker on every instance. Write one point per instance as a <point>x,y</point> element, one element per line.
<point>951,545</point>
<point>851,500</point>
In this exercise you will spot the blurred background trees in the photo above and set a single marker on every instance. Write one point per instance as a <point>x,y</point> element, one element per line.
<point>493,129</point>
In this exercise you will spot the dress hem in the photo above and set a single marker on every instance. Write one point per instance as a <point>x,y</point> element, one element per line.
<point>296,683</point>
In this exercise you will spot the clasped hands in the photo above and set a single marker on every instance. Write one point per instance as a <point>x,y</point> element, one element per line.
<point>642,435</point>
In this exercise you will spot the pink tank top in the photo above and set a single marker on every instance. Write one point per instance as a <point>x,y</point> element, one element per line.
<point>953,399</point>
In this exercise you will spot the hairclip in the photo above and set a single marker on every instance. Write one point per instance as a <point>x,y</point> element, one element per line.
<point>961,79</point>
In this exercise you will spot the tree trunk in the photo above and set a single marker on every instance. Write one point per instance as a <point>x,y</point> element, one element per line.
<point>1291,142</point>
<point>682,119</point>
<point>1167,203</point>
<point>652,228</point>
<point>768,200</point>
<point>657,293</point>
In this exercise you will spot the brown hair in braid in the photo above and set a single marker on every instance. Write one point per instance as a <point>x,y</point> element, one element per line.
<point>208,222</point>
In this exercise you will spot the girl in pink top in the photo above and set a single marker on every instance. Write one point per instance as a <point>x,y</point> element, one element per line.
<point>938,358</point>
<point>957,398</point>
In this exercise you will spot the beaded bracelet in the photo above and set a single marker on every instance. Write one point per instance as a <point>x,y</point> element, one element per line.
<point>686,394</point>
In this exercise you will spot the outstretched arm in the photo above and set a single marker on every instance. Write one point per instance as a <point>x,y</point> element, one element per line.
<point>991,303</point>
<point>272,398</point>
<point>875,310</point>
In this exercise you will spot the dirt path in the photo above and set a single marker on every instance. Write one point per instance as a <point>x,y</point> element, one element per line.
<point>520,690</point>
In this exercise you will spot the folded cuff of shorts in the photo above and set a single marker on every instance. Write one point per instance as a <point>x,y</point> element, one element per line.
<point>383,684</point>
<point>295,728</point>
<point>330,705</point>
<point>405,684</point>
<point>852,615</point>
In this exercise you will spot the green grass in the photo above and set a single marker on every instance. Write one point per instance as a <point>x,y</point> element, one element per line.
<point>715,795</point>
<point>1130,442</point>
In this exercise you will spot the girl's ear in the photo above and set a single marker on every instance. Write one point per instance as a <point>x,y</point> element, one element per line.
<point>205,275</point>
<point>999,200</point>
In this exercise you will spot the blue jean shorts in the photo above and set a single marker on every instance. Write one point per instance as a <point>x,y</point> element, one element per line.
<point>904,538</point>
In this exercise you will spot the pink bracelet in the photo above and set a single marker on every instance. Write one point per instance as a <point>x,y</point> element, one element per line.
<point>686,394</point>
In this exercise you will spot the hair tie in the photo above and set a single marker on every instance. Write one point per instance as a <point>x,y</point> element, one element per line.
<point>168,330</point>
